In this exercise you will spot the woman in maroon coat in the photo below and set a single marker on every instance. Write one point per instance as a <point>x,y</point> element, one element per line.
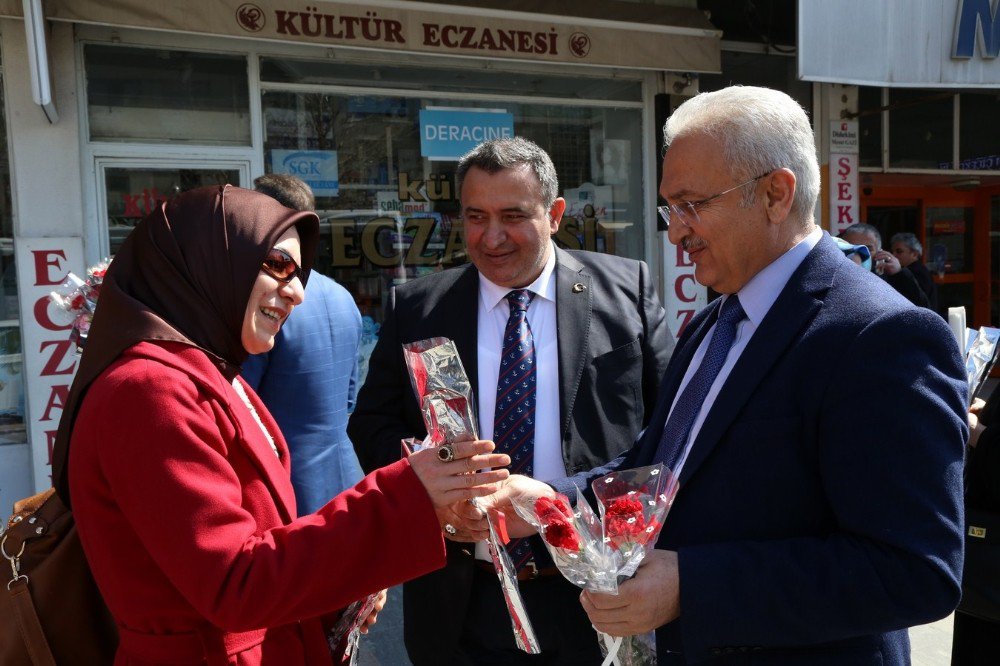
<point>179,477</point>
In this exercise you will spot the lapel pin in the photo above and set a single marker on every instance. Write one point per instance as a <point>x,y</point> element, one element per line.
<point>578,287</point>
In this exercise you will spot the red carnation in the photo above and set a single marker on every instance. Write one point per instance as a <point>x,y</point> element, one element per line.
<point>624,521</point>
<point>556,518</point>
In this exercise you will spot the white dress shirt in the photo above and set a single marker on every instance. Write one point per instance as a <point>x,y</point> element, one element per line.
<point>757,296</point>
<point>494,311</point>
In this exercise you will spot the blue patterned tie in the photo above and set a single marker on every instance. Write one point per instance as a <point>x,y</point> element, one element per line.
<point>514,418</point>
<point>678,427</point>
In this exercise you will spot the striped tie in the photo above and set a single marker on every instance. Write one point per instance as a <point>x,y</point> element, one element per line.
<point>514,418</point>
<point>678,426</point>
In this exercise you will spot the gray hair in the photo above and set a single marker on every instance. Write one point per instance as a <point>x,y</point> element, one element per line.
<point>862,228</point>
<point>289,191</point>
<point>907,239</point>
<point>499,154</point>
<point>760,130</point>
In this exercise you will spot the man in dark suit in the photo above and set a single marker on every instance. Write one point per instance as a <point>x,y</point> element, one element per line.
<point>908,250</point>
<point>886,263</point>
<point>815,418</point>
<point>592,335</point>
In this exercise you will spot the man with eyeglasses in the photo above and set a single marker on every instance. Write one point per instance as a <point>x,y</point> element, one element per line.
<point>564,351</point>
<point>816,421</point>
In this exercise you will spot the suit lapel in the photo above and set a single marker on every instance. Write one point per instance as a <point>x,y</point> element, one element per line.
<point>797,305</point>
<point>464,325</point>
<point>574,304</point>
<point>679,362</point>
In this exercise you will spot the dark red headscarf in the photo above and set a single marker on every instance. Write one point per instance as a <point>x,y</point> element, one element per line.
<point>184,274</point>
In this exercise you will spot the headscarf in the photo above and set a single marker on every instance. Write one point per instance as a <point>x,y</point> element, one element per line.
<point>184,274</point>
<point>861,250</point>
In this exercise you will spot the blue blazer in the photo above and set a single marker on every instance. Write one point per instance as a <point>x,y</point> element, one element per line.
<point>820,509</point>
<point>309,382</point>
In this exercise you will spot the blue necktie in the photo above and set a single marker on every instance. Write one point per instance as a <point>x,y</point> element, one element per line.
<point>678,427</point>
<point>514,418</point>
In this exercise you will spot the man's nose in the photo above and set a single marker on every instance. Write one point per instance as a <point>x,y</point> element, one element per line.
<point>676,232</point>
<point>495,234</point>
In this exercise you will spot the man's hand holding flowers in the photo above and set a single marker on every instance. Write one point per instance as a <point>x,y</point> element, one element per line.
<point>649,600</point>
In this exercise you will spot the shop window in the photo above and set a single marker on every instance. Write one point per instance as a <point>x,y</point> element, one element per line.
<point>979,136</point>
<point>948,246</point>
<point>870,126</point>
<point>450,80</point>
<point>995,261</point>
<point>142,94</point>
<point>131,194</point>
<point>921,129</point>
<point>12,428</point>
<point>387,202</point>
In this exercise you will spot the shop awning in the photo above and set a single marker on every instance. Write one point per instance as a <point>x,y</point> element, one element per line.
<point>583,32</point>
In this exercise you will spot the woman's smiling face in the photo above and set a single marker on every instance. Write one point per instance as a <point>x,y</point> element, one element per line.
<point>271,301</point>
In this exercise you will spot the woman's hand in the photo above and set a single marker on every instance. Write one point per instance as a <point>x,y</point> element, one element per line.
<point>458,480</point>
<point>373,617</point>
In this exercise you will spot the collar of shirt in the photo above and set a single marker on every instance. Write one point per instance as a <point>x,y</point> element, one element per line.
<point>492,294</point>
<point>759,294</point>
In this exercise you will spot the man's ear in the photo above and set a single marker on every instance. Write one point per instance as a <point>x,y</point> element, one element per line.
<point>556,213</point>
<point>779,195</point>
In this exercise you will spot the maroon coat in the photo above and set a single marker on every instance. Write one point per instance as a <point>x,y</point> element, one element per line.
<point>188,520</point>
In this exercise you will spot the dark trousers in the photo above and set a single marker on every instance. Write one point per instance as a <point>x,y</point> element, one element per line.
<point>975,642</point>
<point>562,628</point>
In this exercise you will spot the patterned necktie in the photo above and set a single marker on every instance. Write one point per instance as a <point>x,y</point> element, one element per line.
<point>678,427</point>
<point>514,418</point>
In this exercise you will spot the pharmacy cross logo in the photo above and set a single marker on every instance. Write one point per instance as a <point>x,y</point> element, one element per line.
<point>579,44</point>
<point>250,17</point>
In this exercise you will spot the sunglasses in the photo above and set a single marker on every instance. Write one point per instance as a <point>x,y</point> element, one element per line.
<point>280,265</point>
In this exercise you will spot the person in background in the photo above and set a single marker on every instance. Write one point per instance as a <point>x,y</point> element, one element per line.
<point>908,250</point>
<point>316,351</point>
<point>564,351</point>
<point>885,263</point>
<point>178,476</point>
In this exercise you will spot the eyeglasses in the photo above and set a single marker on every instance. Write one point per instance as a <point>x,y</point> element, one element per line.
<point>686,212</point>
<point>280,265</point>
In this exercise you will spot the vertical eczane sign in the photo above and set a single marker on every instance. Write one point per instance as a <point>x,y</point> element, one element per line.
<point>684,296</point>
<point>50,358</point>
<point>845,207</point>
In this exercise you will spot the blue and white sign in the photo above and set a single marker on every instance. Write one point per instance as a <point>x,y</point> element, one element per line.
<point>448,133</point>
<point>318,168</point>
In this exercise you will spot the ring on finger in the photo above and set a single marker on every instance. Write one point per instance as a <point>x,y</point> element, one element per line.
<point>446,453</point>
<point>450,529</point>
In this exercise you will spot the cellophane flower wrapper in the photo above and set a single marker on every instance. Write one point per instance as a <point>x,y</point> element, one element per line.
<point>78,299</point>
<point>980,357</point>
<point>597,551</point>
<point>349,627</point>
<point>444,393</point>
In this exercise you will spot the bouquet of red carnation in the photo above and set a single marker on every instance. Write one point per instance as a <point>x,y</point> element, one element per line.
<point>444,393</point>
<point>78,298</point>
<point>597,553</point>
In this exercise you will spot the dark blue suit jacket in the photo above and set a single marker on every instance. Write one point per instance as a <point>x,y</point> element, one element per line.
<point>309,383</point>
<point>819,512</point>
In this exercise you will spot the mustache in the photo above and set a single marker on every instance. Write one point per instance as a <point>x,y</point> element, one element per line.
<point>691,243</point>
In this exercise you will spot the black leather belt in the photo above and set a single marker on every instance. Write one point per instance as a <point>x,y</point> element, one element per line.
<point>529,572</point>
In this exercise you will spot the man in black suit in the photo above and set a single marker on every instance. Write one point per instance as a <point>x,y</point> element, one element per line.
<point>907,249</point>
<point>594,334</point>
<point>886,264</point>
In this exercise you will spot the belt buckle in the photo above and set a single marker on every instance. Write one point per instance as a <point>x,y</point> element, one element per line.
<point>531,570</point>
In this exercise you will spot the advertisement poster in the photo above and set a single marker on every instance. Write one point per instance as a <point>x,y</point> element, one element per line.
<point>318,168</point>
<point>447,133</point>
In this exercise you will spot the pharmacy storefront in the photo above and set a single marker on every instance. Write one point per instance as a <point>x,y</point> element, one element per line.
<point>124,104</point>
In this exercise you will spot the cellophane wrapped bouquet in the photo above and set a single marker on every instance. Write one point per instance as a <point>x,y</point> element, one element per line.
<point>444,393</point>
<point>349,627</point>
<point>78,299</point>
<point>980,356</point>
<point>598,551</point>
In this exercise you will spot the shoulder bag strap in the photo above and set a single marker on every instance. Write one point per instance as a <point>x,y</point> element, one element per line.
<point>28,624</point>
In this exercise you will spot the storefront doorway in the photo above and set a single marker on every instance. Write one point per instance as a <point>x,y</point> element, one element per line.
<point>957,224</point>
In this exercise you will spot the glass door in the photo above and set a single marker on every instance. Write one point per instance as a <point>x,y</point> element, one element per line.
<point>130,189</point>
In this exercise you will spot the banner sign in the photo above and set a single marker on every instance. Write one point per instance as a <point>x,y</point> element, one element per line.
<point>684,297</point>
<point>844,208</point>
<point>318,168</point>
<point>691,44</point>
<point>50,358</point>
<point>448,133</point>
